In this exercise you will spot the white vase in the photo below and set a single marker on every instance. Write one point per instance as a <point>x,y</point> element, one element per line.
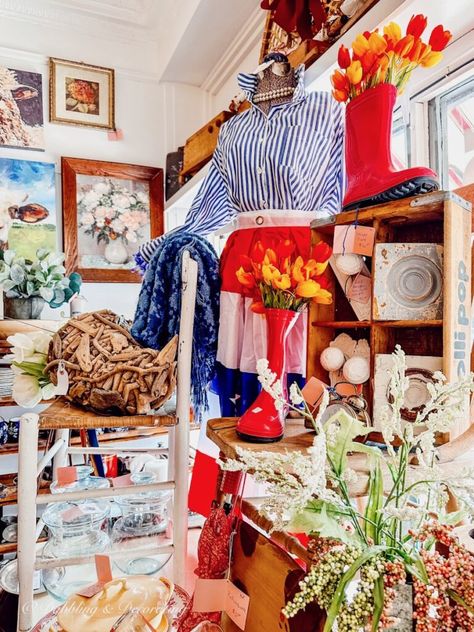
<point>115,252</point>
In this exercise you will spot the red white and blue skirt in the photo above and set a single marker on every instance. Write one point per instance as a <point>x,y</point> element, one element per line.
<point>243,333</point>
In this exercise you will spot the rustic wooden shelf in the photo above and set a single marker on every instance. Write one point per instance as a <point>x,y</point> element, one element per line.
<point>9,327</point>
<point>441,218</point>
<point>11,547</point>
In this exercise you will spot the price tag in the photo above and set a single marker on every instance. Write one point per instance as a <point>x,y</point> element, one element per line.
<point>72,514</point>
<point>313,391</point>
<point>104,575</point>
<point>214,595</point>
<point>66,475</point>
<point>62,379</point>
<point>122,481</point>
<point>354,239</point>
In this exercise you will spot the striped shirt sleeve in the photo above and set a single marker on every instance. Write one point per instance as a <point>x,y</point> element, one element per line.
<point>210,209</point>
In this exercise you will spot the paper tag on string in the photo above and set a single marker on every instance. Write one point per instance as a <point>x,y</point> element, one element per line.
<point>360,289</point>
<point>72,514</point>
<point>66,475</point>
<point>104,576</point>
<point>352,239</point>
<point>122,481</point>
<point>221,595</point>
<point>62,379</point>
<point>313,391</point>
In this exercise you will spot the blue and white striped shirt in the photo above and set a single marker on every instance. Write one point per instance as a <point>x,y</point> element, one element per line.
<point>288,159</point>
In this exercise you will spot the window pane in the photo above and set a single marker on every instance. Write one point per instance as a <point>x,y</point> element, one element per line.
<point>400,144</point>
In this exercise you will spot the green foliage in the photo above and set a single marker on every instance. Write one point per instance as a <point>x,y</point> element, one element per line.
<point>46,277</point>
<point>322,518</point>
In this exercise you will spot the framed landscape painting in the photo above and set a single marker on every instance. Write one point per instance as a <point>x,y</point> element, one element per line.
<point>109,210</point>
<point>27,206</point>
<point>21,93</point>
<point>81,94</point>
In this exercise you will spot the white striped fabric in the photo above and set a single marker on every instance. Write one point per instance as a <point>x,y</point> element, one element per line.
<point>290,158</point>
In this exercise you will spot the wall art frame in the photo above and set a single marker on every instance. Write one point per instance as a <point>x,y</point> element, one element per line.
<point>109,208</point>
<point>81,94</point>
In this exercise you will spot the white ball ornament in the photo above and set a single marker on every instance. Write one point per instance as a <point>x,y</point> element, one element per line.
<point>356,370</point>
<point>349,264</point>
<point>332,359</point>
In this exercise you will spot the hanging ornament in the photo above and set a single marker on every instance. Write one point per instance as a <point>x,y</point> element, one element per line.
<point>349,264</point>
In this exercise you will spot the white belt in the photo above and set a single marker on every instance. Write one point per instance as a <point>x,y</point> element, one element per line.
<point>272,217</point>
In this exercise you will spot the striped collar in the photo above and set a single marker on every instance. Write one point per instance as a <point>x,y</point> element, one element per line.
<point>248,83</point>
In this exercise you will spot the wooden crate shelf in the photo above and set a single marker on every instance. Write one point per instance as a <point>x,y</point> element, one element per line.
<point>440,218</point>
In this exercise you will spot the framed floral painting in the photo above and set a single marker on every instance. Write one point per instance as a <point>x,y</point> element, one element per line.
<point>81,94</point>
<point>109,210</point>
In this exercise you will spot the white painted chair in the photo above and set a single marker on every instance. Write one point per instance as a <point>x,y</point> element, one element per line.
<point>58,417</point>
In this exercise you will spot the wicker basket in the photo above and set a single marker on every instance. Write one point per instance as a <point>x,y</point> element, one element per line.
<point>109,372</point>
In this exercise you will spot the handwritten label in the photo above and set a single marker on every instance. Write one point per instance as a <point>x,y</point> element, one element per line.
<point>360,289</point>
<point>66,475</point>
<point>104,575</point>
<point>62,379</point>
<point>358,240</point>
<point>237,605</point>
<point>122,481</point>
<point>214,595</point>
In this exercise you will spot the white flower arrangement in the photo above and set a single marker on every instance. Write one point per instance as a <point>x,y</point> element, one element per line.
<point>108,211</point>
<point>309,492</point>
<point>29,358</point>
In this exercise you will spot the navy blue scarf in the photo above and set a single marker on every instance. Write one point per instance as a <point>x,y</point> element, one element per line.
<point>159,304</point>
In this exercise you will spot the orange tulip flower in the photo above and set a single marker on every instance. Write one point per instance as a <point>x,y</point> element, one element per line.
<point>419,52</point>
<point>404,46</point>
<point>270,272</point>
<point>323,297</point>
<point>314,268</point>
<point>417,25</point>
<point>344,57</point>
<point>439,38</point>
<point>393,33</point>
<point>370,62</point>
<point>354,72</point>
<point>270,257</point>
<point>283,282</point>
<point>258,307</point>
<point>432,59</point>
<point>296,273</point>
<point>339,81</point>
<point>321,251</point>
<point>340,95</point>
<point>377,44</point>
<point>258,252</point>
<point>360,45</point>
<point>307,289</point>
<point>245,278</point>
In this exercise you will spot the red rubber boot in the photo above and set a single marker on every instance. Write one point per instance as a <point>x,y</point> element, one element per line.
<point>262,422</point>
<point>371,176</point>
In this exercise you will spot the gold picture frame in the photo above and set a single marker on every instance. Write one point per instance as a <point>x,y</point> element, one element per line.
<point>81,94</point>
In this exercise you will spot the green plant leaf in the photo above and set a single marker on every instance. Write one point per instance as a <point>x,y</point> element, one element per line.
<point>378,603</point>
<point>30,288</point>
<point>458,599</point>
<point>17,273</point>
<point>323,518</point>
<point>344,581</point>
<point>75,277</point>
<point>374,500</point>
<point>42,253</point>
<point>47,293</point>
<point>59,296</point>
<point>9,256</point>
<point>348,429</point>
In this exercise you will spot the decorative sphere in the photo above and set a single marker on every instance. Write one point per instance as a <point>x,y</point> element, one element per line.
<point>356,370</point>
<point>332,359</point>
<point>349,264</point>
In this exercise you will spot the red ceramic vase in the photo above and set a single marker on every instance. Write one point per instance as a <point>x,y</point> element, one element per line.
<point>262,422</point>
<point>372,178</point>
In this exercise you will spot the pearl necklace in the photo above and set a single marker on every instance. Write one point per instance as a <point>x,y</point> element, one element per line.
<point>274,94</point>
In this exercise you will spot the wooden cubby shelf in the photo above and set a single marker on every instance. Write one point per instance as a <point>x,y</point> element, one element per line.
<point>439,218</point>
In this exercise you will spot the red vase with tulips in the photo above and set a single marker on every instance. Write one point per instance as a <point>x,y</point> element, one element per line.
<point>281,287</point>
<point>369,80</point>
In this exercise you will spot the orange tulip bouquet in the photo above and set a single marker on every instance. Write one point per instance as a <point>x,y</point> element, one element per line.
<point>281,286</point>
<point>276,280</point>
<point>390,57</point>
<point>368,80</point>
